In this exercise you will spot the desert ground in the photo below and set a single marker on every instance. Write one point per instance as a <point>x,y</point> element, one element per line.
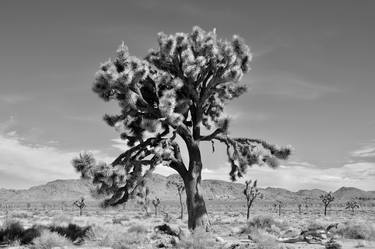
<point>130,227</point>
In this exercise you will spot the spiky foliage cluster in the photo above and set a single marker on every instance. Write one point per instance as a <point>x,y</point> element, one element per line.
<point>327,198</point>
<point>352,205</point>
<point>179,87</point>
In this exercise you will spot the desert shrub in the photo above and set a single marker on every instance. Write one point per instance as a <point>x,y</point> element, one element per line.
<point>118,239</point>
<point>267,223</point>
<point>316,224</point>
<point>29,235</point>
<point>72,231</point>
<point>48,240</point>
<point>198,240</point>
<point>20,215</point>
<point>357,230</point>
<point>11,231</point>
<point>264,240</point>
<point>119,220</point>
<point>138,228</point>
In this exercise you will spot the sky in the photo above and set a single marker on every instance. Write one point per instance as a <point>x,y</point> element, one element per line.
<point>311,84</point>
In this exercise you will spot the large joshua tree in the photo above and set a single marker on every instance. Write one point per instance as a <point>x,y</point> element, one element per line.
<point>176,90</point>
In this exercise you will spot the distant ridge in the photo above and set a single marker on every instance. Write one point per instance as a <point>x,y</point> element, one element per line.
<point>67,190</point>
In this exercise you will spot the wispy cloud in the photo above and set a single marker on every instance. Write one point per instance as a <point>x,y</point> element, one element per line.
<point>14,98</point>
<point>365,151</point>
<point>23,164</point>
<point>287,85</point>
<point>303,175</point>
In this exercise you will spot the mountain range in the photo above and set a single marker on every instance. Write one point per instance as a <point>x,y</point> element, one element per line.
<point>67,190</point>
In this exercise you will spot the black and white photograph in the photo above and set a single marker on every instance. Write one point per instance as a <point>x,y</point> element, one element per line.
<point>187,124</point>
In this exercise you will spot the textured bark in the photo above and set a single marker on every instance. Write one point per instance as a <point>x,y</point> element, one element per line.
<point>197,212</point>
<point>181,205</point>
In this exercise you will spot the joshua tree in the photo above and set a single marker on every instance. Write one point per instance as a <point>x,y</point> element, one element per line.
<point>80,204</point>
<point>278,205</point>
<point>179,184</point>
<point>327,199</point>
<point>251,192</point>
<point>173,92</point>
<point>156,203</point>
<point>299,208</point>
<point>352,205</point>
<point>144,199</point>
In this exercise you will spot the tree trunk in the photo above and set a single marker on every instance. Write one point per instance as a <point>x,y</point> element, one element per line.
<point>325,210</point>
<point>80,212</point>
<point>156,210</point>
<point>248,212</point>
<point>181,206</point>
<point>197,212</point>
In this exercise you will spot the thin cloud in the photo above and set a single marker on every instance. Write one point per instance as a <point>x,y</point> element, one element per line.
<point>28,164</point>
<point>14,98</point>
<point>365,151</point>
<point>305,176</point>
<point>287,85</point>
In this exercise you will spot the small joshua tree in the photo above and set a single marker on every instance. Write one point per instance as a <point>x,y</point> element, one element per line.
<point>251,192</point>
<point>299,208</point>
<point>352,205</point>
<point>179,184</point>
<point>278,205</point>
<point>144,199</point>
<point>80,204</point>
<point>156,203</point>
<point>327,199</point>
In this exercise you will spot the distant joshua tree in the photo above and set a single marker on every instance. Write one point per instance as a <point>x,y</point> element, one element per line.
<point>278,204</point>
<point>179,184</point>
<point>80,204</point>
<point>327,199</point>
<point>352,205</point>
<point>156,203</point>
<point>299,208</point>
<point>251,192</point>
<point>144,199</point>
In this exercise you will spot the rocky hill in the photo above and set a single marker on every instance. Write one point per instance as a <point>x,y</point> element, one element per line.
<point>67,190</point>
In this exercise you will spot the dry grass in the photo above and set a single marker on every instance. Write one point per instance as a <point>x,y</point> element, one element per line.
<point>48,240</point>
<point>357,229</point>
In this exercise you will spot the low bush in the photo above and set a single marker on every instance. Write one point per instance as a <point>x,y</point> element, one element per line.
<point>48,240</point>
<point>263,240</point>
<point>266,223</point>
<point>198,240</point>
<point>72,231</point>
<point>11,231</point>
<point>357,230</point>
